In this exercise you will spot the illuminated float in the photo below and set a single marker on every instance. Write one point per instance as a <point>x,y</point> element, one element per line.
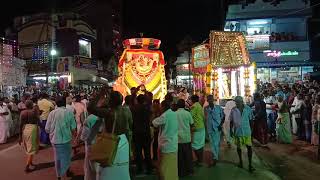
<point>142,63</point>
<point>200,63</point>
<point>232,74</point>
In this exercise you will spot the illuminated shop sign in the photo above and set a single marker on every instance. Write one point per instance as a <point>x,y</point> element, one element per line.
<point>201,57</point>
<point>281,53</point>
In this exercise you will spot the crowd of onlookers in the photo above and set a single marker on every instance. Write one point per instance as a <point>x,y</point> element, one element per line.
<point>301,103</point>
<point>276,37</point>
<point>149,131</point>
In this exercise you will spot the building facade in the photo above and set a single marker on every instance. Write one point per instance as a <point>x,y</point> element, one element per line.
<point>109,31</point>
<point>12,69</point>
<point>277,37</point>
<point>184,76</point>
<point>57,48</point>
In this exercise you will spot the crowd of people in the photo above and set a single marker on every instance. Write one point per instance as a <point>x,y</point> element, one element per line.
<point>290,110</point>
<point>149,131</point>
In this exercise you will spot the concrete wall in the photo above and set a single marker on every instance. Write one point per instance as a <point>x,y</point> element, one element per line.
<point>263,9</point>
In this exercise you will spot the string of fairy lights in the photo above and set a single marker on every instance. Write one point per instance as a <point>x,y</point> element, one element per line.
<point>40,53</point>
<point>8,50</point>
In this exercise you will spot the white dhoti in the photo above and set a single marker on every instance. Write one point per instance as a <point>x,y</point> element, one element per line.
<point>226,131</point>
<point>294,125</point>
<point>4,131</point>
<point>90,167</point>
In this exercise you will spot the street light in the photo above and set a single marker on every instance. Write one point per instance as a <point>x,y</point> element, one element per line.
<point>53,52</point>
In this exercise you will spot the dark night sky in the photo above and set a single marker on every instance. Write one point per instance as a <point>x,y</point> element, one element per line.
<point>172,20</point>
<point>169,20</point>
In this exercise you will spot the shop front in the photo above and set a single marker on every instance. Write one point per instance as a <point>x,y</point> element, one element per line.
<point>286,62</point>
<point>284,73</point>
<point>184,70</point>
<point>66,71</point>
<point>184,77</point>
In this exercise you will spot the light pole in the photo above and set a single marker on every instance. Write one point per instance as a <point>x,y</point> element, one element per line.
<point>53,53</point>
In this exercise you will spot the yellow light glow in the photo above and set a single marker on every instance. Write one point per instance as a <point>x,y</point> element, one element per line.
<point>142,66</point>
<point>242,81</point>
<point>220,82</point>
<point>233,84</point>
<point>252,79</point>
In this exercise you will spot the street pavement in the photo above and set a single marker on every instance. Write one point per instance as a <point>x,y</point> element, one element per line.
<point>12,161</point>
<point>297,161</point>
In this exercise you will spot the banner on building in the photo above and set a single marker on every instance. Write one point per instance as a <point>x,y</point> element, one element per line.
<point>200,58</point>
<point>85,63</point>
<point>63,64</point>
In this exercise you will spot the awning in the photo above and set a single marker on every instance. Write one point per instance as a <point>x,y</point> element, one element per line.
<point>88,83</point>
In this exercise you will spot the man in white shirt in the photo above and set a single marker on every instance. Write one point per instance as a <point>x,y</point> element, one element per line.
<point>22,105</point>
<point>270,101</point>
<point>60,126</point>
<point>185,122</point>
<point>168,142</point>
<point>69,105</point>
<point>296,110</point>
<point>4,123</point>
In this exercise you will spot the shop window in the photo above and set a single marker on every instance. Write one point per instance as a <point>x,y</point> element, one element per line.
<point>306,71</point>
<point>286,74</point>
<point>258,26</point>
<point>84,48</point>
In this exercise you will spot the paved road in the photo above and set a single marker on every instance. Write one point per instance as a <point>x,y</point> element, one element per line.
<point>297,161</point>
<point>13,159</point>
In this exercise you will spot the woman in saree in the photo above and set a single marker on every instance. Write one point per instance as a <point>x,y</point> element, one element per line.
<point>29,131</point>
<point>283,128</point>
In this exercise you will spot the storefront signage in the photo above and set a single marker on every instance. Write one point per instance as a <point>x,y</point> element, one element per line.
<point>182,69</point>
<point>276,54</point>
<point>83,62</point>
<point>200,58</point>
<point>258,42</point>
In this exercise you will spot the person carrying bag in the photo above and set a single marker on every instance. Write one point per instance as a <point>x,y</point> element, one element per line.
<point>111,150</point>
<point>105,149</point>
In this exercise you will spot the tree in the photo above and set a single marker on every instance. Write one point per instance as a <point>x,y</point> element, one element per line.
<point>186,44</point>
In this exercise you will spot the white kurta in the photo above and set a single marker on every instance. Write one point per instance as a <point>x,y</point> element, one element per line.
<point>4,125</point>
<point>226,125</point>
<point>10,122</point>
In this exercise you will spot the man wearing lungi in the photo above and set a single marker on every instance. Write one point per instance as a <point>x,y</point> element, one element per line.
<point>60,126</point>
<point>215,119</point>
<point>199,134</point>
<point>241,118</point>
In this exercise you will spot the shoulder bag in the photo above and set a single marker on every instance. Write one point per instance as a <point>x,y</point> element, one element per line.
<point>105,149</point>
